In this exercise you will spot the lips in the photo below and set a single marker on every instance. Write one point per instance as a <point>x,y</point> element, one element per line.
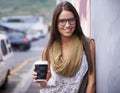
<point>67,30</point>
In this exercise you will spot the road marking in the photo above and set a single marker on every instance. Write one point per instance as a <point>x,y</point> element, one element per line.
<point>36,48</point>
<point>14,80</point>
<point>24,83</point>
<point>22,65</point>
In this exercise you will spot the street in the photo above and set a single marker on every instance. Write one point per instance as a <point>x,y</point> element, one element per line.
<point>20,80</point>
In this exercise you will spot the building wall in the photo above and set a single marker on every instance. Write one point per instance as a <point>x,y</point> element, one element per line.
<point>84,12</point>
<point>105,28</point>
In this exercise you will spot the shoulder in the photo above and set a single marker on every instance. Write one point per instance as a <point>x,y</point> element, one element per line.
<point>90,41</point>
<point>44,53</point>
<point>92,45</point>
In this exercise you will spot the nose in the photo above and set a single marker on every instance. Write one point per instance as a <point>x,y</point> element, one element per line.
<point>67,24</point>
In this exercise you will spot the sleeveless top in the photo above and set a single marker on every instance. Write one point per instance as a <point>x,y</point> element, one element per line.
<point>61,84</point>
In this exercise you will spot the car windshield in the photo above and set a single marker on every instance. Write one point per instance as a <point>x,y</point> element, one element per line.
<point>14,20</point>
<point>15,36</point>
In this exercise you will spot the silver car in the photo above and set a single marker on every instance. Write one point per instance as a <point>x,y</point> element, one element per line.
<point>6,60</point>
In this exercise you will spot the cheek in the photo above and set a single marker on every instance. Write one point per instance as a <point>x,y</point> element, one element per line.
<point>74,28</point>
<point>59,28</point>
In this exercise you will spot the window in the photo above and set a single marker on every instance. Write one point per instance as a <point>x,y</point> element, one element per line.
<point>7,41</point>
<point>10,49</point>
<point>0,58</point>
<point>14,20</point>
<point>4,48</point>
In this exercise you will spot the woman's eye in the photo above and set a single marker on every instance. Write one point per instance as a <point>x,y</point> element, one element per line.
<point>62,20</point>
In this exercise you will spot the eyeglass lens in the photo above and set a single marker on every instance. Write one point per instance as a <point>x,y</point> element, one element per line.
<point>63,22</point>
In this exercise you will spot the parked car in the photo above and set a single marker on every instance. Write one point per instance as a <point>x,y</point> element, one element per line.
<point>33,35</point>
<point>36,31</point>
<point>6,60</point>
<point>7,29</point>
<point>19,41</point>
<point>20,22</point>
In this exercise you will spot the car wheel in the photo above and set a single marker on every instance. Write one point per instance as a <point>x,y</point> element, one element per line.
<point>5,84</point>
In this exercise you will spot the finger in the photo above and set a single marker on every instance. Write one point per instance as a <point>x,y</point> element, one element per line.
<point>34,73</point>
<point>34,77</point>
<point>34,68</point>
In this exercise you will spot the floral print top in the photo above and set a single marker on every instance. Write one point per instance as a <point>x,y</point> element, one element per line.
<point>61,84</point>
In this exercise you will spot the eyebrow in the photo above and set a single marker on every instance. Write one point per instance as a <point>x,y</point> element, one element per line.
<point>67,18</point>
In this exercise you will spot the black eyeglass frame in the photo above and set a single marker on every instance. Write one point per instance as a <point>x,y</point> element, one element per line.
<point>71,21</point>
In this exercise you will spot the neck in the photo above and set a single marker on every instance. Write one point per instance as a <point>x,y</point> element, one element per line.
<point>65,40</point>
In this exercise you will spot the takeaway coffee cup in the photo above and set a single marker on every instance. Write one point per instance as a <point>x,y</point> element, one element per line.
<point>41,68</point>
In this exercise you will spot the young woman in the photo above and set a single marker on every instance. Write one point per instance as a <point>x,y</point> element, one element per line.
<point>68,52</point>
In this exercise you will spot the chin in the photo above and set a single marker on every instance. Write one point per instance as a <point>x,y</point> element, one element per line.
<point>67,35</point>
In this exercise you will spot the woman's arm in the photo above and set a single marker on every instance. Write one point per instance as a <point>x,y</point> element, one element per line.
<point>91,87</point>
<point>44,58</point>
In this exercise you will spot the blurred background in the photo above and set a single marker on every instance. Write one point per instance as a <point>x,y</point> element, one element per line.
<point>24,32</point>
<point>27,7</point>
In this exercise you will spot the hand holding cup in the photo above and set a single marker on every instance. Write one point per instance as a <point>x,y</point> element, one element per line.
<point>40,72</point>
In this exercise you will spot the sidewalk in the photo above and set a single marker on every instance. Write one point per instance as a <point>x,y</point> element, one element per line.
<point>33,88</point>
<point>24,84</point>
<point>26,80</point>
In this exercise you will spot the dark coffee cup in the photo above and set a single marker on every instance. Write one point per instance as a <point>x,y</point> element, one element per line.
<point>41,68</point>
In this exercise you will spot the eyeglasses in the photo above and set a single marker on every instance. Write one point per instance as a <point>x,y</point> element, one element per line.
<point>63,22</point>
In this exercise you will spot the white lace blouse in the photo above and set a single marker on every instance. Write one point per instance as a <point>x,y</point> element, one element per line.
<point>61,84</point>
